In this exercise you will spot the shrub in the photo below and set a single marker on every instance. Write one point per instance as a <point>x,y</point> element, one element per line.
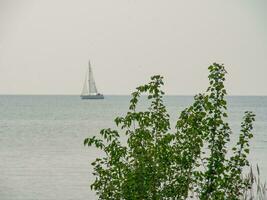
<point>159,163</point>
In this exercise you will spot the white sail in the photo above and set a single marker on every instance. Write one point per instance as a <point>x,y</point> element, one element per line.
<point>89,90</point>
<point>85,90</point>
<point>91,81</point>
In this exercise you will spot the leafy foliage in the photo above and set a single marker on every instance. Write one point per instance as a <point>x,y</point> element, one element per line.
<point>159,163</point>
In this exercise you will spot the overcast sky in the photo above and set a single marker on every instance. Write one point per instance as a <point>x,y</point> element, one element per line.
<point>45,45</point>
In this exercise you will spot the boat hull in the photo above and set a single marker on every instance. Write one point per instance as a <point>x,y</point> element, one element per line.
<point>98,96</point>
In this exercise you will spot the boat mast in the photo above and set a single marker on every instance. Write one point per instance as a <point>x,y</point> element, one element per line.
<point>89,77</point>
<point>85,88</point>
<point>91,81</point>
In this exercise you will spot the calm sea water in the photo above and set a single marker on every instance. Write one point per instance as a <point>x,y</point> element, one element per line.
<point>41,141</point>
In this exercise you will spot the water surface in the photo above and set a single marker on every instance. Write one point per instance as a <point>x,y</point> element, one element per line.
<point>41,141</point>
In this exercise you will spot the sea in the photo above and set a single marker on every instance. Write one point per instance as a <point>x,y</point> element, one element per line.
<point>42,155</point>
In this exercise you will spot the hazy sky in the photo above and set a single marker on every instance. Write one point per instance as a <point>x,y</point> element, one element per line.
<point>45,45</point>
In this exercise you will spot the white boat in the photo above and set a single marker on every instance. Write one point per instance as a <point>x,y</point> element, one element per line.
<point>89,90</point>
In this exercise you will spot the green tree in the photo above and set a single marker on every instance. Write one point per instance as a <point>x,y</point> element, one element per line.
<point>159,163</point>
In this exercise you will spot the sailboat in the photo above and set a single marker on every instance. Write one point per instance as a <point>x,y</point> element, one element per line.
<point>89,90</point>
